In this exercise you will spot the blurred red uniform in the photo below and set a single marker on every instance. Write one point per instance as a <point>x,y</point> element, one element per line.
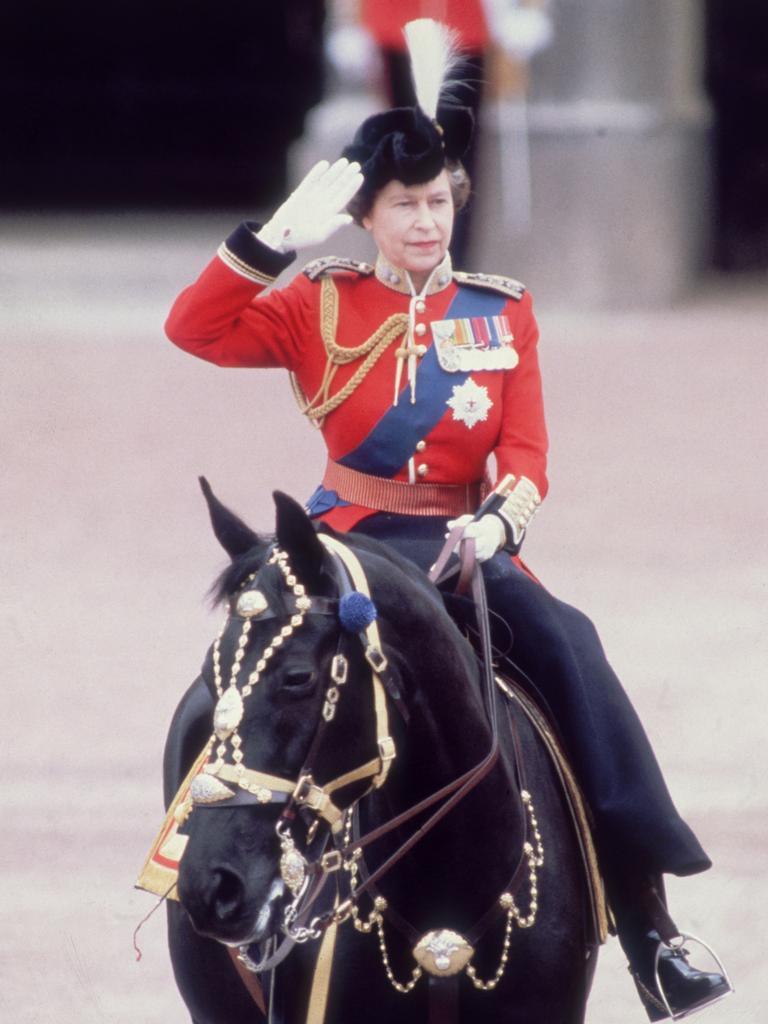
<point>385,21</point>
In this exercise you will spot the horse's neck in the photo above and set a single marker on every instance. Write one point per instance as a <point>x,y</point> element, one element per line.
<point>448,735</point>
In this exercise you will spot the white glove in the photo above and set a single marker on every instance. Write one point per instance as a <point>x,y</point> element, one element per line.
<point>488,534</point>
<point>522,32</point>
<point>311,213</point>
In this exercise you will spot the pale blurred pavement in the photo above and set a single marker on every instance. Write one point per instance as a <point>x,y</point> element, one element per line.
<point>655,525</point>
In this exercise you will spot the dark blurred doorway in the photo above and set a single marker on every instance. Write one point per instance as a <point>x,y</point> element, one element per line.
<point>138,103</point>
<point>737,80</point>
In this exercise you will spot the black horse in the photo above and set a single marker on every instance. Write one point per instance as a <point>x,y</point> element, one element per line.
<point>230,884</point>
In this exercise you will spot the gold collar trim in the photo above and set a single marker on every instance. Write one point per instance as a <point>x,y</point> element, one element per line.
<point>399,280</point>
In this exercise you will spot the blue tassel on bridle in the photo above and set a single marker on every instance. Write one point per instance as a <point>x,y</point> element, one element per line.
<point>356,611</point>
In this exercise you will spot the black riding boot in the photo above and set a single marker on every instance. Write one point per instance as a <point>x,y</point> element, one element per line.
<point>645,928</point>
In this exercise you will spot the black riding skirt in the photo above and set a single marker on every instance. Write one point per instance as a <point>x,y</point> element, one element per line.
<point>638,831</point>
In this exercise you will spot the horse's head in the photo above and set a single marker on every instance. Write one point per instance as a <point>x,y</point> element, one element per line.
<point>300,727</point>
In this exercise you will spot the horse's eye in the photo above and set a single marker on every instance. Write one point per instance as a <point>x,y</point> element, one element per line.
<point>299,679</point>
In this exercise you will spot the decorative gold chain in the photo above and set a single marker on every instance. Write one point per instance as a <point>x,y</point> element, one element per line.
<point>490,985</point>
<point>534,853</point>
<point>375,918</point>
<point>317,408</point>
<point>303,603</point>
<point>507,900</point>
<point>399,986</point>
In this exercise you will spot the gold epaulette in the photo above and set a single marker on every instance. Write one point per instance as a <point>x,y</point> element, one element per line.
<point>492,283</point>
<point>328,264</point>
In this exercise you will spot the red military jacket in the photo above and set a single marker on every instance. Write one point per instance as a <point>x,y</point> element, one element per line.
<point>414,416</point>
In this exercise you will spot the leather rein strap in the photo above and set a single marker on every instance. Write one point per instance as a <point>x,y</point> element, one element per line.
<point>458,788</point>
<point>467,569</point>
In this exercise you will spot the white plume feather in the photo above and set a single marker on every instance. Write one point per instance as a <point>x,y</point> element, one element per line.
<point>434,52</point>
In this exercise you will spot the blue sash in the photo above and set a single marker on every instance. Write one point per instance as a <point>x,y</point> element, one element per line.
<point>392,441</point>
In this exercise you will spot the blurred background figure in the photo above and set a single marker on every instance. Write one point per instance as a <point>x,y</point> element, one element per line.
<point>497,39</point>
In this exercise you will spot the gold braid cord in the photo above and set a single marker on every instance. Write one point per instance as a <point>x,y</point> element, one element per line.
<point>323,403</point>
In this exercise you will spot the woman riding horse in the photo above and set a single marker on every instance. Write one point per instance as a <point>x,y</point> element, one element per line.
<point>416,374</point>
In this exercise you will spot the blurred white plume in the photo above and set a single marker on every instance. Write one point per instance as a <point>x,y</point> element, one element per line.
<point>434,52</point>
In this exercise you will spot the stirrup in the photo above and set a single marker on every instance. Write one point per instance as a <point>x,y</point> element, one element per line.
<point>677,943</point>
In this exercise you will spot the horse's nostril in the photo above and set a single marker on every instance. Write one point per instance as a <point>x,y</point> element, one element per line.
<point>227,895</point>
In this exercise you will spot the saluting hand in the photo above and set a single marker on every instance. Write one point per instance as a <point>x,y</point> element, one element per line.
<point>312,212</point>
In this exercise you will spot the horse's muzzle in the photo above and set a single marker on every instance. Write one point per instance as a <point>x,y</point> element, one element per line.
<point>220,906</point>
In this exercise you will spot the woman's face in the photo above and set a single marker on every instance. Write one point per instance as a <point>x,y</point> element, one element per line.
<point>412,224</point>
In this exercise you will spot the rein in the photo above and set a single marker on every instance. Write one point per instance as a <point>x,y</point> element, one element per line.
<point>451,794</point>
<point>460,787</point>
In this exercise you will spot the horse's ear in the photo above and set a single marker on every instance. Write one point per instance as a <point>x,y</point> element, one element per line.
<point>296,536</point>
<point>234,536</point>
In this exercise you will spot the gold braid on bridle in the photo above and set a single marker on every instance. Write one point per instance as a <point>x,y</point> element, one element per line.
<point>323,403</point>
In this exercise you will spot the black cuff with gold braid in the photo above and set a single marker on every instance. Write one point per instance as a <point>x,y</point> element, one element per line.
<point>246,255</point>
<point>513,542</point>
<point>521,503</point>
<point>515,502</point>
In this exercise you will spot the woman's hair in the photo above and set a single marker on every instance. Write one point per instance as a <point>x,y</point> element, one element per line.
<point>361,203</point>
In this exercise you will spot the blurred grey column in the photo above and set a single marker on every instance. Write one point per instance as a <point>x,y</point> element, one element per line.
<point>619,159</point>
<point>619,150</point>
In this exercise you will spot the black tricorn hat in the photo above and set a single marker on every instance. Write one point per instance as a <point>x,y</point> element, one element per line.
<point>405,145</point>
<point>413,144</point>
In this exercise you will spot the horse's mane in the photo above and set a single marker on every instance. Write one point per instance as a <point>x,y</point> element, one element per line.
<point>360,542</point>
<point>229,579</point>
<point>460,610</point>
